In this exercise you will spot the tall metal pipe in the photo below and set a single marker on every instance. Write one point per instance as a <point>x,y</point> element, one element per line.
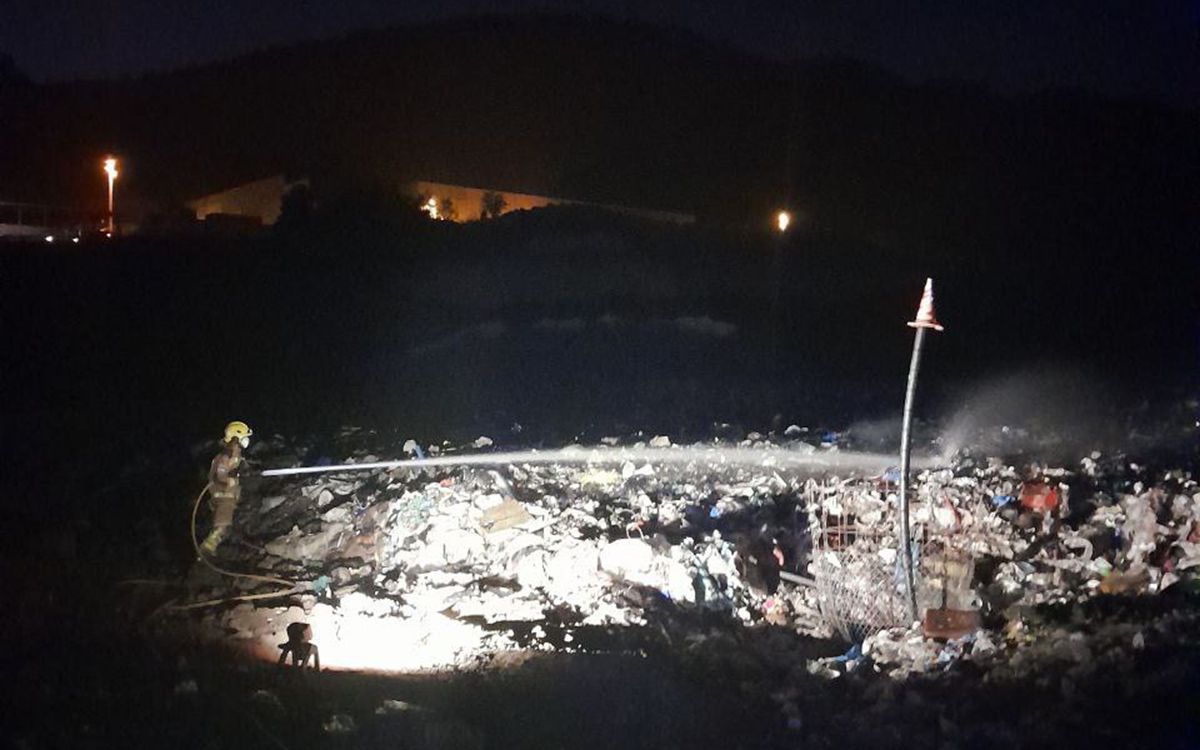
<point>925,319</point>
<point>910,588</point>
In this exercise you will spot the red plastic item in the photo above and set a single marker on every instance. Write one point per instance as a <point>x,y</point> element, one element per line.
<point>1038,496</point>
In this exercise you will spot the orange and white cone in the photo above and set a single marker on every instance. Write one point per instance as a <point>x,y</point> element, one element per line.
<point>925,315</point>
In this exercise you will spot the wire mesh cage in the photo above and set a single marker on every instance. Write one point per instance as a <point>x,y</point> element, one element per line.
<point>855,566</point>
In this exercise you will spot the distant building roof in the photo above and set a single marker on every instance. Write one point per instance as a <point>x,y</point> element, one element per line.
<point>261,199</point>
<point>461,203</point>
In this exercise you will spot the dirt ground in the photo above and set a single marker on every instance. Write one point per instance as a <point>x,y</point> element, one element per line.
<point>112,681</point>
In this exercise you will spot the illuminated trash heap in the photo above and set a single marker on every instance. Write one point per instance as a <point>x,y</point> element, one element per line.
<point>422,576</point>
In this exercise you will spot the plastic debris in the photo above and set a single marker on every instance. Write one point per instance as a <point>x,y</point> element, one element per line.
<point>339,724</point>
<point>452,565</point>
<point>1038,496</point>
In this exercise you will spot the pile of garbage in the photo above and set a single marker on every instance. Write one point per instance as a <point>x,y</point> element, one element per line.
<point>449,565</point>
<point>429,568</point>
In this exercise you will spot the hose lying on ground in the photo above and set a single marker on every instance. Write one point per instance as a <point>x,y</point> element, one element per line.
<point>292,587</point>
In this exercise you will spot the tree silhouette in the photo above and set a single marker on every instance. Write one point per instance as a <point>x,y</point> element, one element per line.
<point>493,205</point>
<point>296,207</point>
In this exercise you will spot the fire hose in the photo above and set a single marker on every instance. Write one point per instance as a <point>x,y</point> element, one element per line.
<point>292,586</point>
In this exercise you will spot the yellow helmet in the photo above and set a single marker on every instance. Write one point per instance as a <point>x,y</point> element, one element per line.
<point>237,431</point>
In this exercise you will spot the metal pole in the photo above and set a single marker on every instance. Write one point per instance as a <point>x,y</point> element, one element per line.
<point>905,450</point>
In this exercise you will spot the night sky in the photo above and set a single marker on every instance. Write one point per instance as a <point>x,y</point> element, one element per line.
<point>1149,49</point>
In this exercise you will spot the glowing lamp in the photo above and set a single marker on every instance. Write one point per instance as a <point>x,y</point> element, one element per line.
<point>110,169</point>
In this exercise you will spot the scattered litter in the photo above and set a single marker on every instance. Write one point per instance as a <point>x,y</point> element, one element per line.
<point>187,687</point>
<point>504,515</point>
<point>390,706</point>
<point>1038,496</point>
<point>339,724</point>
<point>446,567</point>
<point>413,448</point>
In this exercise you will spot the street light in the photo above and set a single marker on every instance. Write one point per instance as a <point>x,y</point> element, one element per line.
<point>783,220</point>
<point>110,168</point>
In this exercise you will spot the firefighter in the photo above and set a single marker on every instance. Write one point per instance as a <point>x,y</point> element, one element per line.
<point>224,489</point>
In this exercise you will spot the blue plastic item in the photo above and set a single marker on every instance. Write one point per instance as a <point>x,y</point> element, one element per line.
<point>852,654</point>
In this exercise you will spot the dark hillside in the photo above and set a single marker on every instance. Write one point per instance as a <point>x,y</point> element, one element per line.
<point>640,116</point>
